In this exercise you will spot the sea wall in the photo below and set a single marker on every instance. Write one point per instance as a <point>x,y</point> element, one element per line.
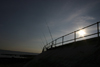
<point>80,54</point>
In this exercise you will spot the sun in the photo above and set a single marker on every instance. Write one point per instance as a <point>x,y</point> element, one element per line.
<point>82,33</point>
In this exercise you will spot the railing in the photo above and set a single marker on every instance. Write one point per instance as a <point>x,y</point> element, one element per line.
<point>54,43</point>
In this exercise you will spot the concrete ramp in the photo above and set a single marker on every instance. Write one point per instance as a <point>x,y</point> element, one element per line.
<point>77,54</point>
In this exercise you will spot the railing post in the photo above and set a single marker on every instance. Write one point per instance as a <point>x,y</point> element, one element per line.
<point>55,42</point>
<point>98,29</point>
<point>74,36</point>
<point>43,50</point>
<point>52,44</point>
<point>98,33</point>
<point>62,40</point>
<point>46,47</point>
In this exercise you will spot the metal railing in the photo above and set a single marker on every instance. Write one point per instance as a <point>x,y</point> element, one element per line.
<point>54,43</point>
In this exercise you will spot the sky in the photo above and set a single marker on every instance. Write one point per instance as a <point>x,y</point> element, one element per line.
<point>23,23</point>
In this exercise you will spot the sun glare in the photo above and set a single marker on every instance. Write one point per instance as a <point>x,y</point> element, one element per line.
<point>82,33</point>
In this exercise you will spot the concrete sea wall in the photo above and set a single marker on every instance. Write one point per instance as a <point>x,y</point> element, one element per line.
<point>77,54</point>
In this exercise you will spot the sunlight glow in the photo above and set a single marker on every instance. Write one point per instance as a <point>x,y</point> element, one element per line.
<point>82,33</point>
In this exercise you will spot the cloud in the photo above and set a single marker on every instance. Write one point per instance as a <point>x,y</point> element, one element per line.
<point>82,12</point>
<point>78,18</point>
<point>68,17</point>
<point>83,20</point>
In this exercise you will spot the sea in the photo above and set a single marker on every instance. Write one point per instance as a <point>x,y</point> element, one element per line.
<point>15,54</point>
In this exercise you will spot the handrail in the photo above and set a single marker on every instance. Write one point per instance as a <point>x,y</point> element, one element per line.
<point>54,43</point>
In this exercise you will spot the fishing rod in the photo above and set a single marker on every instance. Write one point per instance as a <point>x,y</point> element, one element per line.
<point>49,31</point>
<point>45,38</point>
<point>42,43</point>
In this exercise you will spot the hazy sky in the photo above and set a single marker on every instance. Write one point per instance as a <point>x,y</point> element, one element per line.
<point>23,22</point>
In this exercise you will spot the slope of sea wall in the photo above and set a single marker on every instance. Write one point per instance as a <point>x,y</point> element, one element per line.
<point>77,54</point>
